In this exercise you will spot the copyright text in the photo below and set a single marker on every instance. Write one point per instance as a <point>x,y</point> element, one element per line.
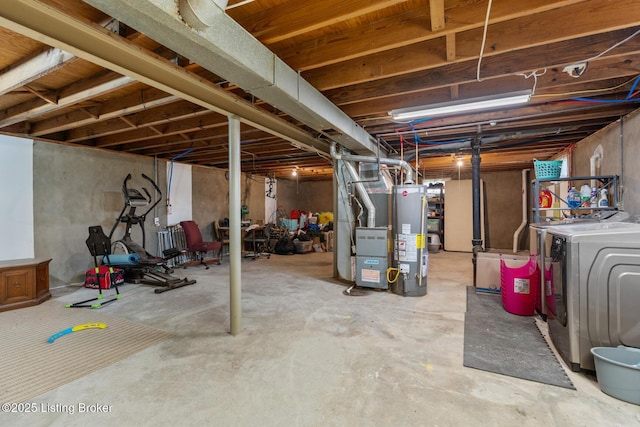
<point>56,408</point>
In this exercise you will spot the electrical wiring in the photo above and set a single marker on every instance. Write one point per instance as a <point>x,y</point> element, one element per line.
<point>606,101</point>
<point>420,142</point>
<point>612,47</point>
<point>484,39</point>
<point>535,76</point>
<point>628,98</point>
<point>580,92</point>
<point>171,173</point>
<point>578,68</point>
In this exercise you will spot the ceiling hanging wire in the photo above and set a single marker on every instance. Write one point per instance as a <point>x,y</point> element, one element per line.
<point>242,3</point>
<point>484,40</point>
<point>535,76</point>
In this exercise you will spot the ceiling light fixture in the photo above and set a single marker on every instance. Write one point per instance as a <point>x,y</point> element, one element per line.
<point>463,105</point>
<point>294,172</point>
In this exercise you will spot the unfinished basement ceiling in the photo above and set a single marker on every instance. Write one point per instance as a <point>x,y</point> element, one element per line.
<point>368,57</point>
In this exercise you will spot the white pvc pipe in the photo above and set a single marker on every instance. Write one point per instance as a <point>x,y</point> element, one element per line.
<point>516,235</point>
<point>594,163</point>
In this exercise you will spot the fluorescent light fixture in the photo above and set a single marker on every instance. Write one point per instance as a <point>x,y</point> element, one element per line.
<point>462,105</point>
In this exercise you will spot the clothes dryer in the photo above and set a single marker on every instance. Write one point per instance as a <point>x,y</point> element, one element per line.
<point>595,278</point>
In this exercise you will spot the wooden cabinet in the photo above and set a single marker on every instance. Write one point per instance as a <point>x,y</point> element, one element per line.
<point>23,283</point>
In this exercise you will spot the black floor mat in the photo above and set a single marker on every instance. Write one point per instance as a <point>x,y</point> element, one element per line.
<point>507,344</point>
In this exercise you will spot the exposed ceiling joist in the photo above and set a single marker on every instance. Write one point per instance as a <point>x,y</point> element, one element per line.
<point>367,57</point>
<point>99,46</point>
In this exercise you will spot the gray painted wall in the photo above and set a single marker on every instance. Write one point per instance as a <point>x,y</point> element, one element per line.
<point>314,196</point>
<point>621,156</point>
<point>75,188</point>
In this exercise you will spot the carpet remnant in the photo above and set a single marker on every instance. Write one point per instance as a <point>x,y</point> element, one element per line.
<point>504,343</point>
<point>32,366</point>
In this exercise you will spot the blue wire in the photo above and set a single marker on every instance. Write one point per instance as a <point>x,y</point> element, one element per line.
<point>605,101</point>
<point>615,101</point>
<point>635,83</point>
<point>184,153</point>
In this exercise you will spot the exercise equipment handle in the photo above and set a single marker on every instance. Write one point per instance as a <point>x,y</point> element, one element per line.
<point>158,193</point>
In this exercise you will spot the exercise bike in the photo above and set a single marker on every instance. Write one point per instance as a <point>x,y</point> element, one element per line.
<point>139,265</point>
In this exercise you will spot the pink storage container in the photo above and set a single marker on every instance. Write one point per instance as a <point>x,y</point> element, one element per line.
<point>549,292</point>
<point>519,287</point>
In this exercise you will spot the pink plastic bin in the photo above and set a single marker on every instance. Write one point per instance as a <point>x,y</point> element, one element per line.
<point>549,292</point>
<point>519,287</point>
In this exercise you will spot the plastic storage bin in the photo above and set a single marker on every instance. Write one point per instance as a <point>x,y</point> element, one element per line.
<point>302,247</point>
<point>547,169</point>
<point>618,372</point>
<point>519,287</point>
<point>433,242</point>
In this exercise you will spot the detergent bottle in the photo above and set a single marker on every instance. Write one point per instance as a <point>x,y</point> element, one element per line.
<point>585,196</point>
<point>573,198</point>
<point>603,202</point>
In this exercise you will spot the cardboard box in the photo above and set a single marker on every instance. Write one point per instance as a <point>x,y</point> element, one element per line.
<point>488,268</point>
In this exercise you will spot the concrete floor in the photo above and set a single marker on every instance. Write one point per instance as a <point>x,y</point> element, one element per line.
<point>311,356</point>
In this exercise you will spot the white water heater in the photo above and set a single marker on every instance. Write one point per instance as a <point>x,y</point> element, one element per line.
<point>410,255</point>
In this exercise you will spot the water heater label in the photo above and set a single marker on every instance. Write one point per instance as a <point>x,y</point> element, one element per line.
<point>372,261</point>
<point>407,250</point>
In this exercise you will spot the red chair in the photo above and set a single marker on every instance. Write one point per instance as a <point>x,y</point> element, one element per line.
<point>196,245</point>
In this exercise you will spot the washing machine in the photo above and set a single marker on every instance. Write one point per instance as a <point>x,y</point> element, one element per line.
<point>592,271</point>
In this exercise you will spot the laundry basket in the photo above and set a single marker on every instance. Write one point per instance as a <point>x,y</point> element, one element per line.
<point>519,287</point>
<point>547,169</point>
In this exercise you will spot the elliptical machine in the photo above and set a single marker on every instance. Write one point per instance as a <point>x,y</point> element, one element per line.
<point>139,265</point>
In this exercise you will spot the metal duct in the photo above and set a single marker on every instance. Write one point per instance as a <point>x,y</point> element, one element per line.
<point>392,162</point>
<point>362,192</point>
<point>223,47</point>
<point>201,14</point>
<point>42,22</point>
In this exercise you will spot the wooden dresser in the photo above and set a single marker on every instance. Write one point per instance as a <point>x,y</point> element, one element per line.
<point>23,282</point>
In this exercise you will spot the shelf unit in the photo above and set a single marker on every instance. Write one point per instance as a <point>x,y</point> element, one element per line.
<point>610,182</point>
<point>435,220</point>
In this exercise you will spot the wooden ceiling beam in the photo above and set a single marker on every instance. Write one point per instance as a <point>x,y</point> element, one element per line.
<point>75,121</point>
<point>404,29</point>
<point>499,80</point>
<point>198,138</point>
<point>294,18</point>
<point>180,116</point>
<point>427,61</point>
<point>436,12</point>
